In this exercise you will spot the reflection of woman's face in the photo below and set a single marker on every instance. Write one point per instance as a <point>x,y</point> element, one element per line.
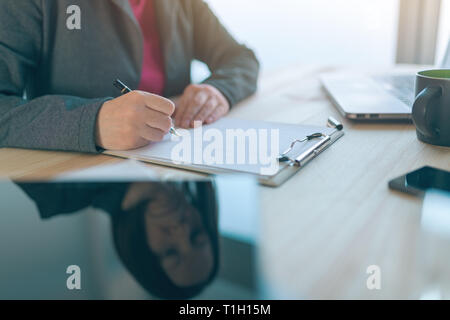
<point>176,234</point>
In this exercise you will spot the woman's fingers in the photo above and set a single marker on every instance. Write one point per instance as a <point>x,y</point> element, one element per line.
<point>218,113</point>
<point>192,107</point>
<point>207,109</point>
<point>199,103</point>
<point>152,134</point>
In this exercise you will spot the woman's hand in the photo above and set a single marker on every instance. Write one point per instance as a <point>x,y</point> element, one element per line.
<point>200,102</point>
<point>133,120</point>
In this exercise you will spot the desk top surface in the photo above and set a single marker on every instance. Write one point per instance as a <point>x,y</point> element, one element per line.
<point>338,210</point>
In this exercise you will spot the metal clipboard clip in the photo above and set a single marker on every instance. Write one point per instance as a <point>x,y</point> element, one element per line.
<point>323,141</point>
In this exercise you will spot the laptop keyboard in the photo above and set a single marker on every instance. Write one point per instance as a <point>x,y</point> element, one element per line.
<point>400,86</point>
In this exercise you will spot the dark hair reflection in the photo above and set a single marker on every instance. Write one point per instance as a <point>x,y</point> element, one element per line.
<point>164,233</point>
<point>169,241</point>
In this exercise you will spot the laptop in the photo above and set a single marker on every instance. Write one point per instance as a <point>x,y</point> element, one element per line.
<point>375,97</point>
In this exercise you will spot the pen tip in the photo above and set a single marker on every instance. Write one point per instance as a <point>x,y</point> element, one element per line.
<point>175,132</point>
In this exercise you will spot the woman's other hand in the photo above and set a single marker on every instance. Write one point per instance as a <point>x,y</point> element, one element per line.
<point>200,102</point>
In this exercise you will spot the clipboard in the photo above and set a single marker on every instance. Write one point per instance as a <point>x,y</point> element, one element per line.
<point>298,145</point>
<point>292,164</point>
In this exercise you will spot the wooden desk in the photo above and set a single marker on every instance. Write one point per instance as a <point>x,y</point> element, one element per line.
<point>327,224</point>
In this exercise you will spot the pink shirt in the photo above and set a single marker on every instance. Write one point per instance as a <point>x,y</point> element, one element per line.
<point>153,74</point>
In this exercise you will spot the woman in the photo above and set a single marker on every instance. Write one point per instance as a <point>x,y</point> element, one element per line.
<point>58,60</point>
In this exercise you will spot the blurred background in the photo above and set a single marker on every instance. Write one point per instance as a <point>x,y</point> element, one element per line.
<point>336,32</point>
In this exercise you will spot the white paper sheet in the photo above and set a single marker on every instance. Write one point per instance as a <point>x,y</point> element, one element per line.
<point>247,156</point>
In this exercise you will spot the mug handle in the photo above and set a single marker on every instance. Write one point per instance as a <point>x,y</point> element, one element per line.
<point>421,110</point>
